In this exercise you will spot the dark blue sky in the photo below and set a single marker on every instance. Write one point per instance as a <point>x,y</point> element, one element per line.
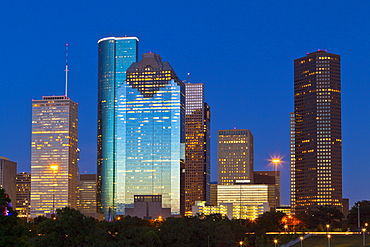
<point>242,51</point>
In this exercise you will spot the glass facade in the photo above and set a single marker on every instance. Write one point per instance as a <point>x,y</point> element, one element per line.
<point>197,123</point>
<point>141,128</point>
<point>54,154</point>
<point>116,54</point>
<point>151,154</point>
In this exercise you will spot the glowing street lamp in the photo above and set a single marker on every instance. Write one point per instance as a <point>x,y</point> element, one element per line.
<point>329,236</point>
<point>327,228</point>
<point>275,161</point>
<point>363,237</point>
<point>275,242</point>
<point>301,238</point>
<point>54,168</point>
<point>241,243</point>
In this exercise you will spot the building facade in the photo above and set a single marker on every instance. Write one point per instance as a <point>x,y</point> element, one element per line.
<point>235,156</point>
<point>230,210</point>
<point>197,155</point>
<point>247,195</point>
<point>23,197</point>
<point>316,133</point>
<point>54,154</point>
<point>269,177</point>
<point>8,171</point>
<point>86,198</point>
<point>150,139</point>
<point>116,54</point>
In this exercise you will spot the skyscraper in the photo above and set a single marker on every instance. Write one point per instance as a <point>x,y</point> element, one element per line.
<point>54,154</point>
<point>8,171</point>
<point>235,156</point>
<point>316,133</point>
<point>150,138</point>
<point>23,185</point>
<point>86,198</point>
<point>116,54</point>
<point>197,155</point>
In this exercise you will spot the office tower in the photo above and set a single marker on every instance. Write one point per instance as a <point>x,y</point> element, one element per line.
<point>8,171</point>
<point>316,133</point>
<point>150,139</point>
<point>197,154</point>
<point>269,177</point>
<point>86,198</point>
<point>54,155</point>
<point>116,54</point>
<point>235,156</point>
<point>23,186</point>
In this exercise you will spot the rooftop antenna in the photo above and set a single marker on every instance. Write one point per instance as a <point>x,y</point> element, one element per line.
<point>66,70</point>
<point>188,77</point>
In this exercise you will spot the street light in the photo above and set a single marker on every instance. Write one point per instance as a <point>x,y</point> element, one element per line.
<point>285,227</point>
<point>275,242</point>
<point>327,228</point>
<point>275,161</point>
<point>241,243</point>
<point>363,237</point>
<point>329,236</point>
<point>54,168</point>
<point>301,238</point>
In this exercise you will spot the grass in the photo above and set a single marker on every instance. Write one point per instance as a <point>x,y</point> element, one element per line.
<point>335,241</point>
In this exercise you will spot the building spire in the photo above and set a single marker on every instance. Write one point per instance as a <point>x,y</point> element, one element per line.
<point>66,70</point>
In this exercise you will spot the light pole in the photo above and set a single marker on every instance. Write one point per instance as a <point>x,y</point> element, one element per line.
<point>329,236</point>
<point>327,229</point>
<point>276,161</point>
<point>301,238</point>
<point>285,228</point>
<point>363,237</point>
<point>275,242</point>
<point>241,243</point>
<point>54,168</point>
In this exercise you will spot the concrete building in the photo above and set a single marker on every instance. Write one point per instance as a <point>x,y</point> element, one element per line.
<point>235,156</point>
<point>86,198</point>
<point>148,207</point>
<point>54,155</point>
<point>23,197</point>
<point>8,171</point>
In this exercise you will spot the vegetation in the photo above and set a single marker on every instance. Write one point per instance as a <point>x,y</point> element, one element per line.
<point>70,227</point>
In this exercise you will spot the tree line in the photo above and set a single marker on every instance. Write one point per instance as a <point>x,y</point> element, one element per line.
<point>70,227</point>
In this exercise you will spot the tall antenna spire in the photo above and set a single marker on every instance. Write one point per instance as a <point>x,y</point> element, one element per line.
<point>189,77</point>
<point>66,70</point>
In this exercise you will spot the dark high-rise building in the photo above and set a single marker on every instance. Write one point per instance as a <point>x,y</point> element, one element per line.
<point>197,155</point>
<point>54,155</point>
<point>8,171</point>
<point>235,156</point>
<point>316,133</point>
<point>23,197</point>
<point>86,198</point>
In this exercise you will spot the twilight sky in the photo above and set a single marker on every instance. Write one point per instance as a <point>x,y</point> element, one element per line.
<point>242,51</point>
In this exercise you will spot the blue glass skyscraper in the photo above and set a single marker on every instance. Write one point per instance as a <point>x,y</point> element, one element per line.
<point>141,128</point>
<point>116,54</point>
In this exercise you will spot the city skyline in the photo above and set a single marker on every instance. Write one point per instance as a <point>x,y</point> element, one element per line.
<point>243,53</point>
